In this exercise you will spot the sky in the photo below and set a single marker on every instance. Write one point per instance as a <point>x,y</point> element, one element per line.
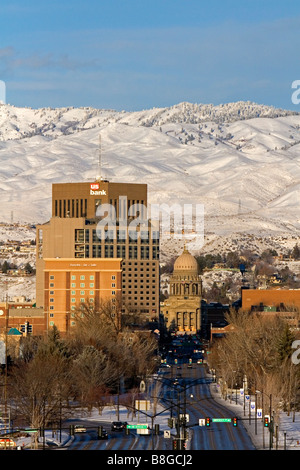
<point>140,54</point>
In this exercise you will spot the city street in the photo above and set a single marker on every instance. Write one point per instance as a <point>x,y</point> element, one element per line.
<point>184,389</point>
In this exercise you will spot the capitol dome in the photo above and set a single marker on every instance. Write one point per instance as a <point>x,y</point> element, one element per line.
<point>186,262</point>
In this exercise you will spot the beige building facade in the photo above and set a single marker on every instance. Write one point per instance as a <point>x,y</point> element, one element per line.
<point>71,282</point>
<point>182,310</point>
<point>78,230</point>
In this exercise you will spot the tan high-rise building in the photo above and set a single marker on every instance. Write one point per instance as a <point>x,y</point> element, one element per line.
<point>98,221</point>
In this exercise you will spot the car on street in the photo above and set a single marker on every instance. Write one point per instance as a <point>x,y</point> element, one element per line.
<point>118,425</point>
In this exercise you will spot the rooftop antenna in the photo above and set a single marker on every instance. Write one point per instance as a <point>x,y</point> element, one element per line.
<point>99,160</point>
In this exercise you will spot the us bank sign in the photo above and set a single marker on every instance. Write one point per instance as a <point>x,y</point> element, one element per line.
<point>96,191</point>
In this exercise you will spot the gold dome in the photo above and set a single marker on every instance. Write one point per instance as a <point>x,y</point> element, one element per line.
<point>186,262</point>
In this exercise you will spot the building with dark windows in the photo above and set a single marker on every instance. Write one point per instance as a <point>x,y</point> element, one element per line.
<point>102,221</point>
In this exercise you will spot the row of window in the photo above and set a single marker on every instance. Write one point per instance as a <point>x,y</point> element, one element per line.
<point>83,236</point>
<point>83,277</point>
<point>109,251</point>
<point>70,207</point>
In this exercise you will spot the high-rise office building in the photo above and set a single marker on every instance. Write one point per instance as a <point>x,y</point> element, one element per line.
<point>98,222</point>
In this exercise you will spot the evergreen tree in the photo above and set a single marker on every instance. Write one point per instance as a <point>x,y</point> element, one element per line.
<point>285,343</point>
<point>296,252</point>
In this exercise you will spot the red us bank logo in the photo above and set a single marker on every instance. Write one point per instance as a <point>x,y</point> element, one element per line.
<point>94,186</point>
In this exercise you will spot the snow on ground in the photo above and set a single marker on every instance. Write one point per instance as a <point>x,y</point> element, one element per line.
<point>17,286</point>
<point>288,424</point>
<point>288,431</point>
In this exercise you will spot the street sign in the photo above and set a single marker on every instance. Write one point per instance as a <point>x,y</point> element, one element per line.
<point>259,413</point>
<point>221,420</point>
<point>201,422</point>
<point>142,404</point>
<point>137,426</point>
<point>167,434</point>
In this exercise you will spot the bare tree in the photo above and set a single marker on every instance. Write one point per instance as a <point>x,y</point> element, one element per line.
<point>40,388</point>
<point>259,348</point>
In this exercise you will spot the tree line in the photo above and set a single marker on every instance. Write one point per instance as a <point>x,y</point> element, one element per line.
<point>257,356</point>
<point>51,377</point>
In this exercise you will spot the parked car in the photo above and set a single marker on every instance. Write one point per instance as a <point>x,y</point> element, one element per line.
<point>118,425</point>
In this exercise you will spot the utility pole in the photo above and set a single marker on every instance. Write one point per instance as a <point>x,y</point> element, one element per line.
<point>6,359</point>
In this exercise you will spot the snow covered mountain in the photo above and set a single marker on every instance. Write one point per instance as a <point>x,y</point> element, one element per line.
<point>240,160</point>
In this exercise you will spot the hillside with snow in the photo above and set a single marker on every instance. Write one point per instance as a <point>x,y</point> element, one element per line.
<point>240,160</point>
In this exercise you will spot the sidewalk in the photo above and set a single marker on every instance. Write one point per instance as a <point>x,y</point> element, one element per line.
<point>288,430</point>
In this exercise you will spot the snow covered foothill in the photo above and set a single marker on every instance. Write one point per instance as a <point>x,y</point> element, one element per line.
<point>240,160</point>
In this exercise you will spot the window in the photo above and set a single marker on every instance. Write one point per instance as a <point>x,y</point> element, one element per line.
<point>51,300</point>
<point>113,285</point>
<point>51,284</point>
<point>82,284</point>
<point>73,300</point>
<point>51,307</point>
<point>73,292</point>
<point>82,292</point>
<point>51,292</point>
<point>113,277</point>
<point>82,278</point>
<point>91,284</point>
<point>51,277</point>
<point>73,278</point>
<point>91,292</point>
<point>113,292</point>
<point>73,284</point>
<point>91,278</point>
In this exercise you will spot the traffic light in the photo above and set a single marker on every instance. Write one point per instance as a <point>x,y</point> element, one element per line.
<point>266,421</point>
<point>175,444</point>
<point>207,421</point>
<point>234,421</point>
